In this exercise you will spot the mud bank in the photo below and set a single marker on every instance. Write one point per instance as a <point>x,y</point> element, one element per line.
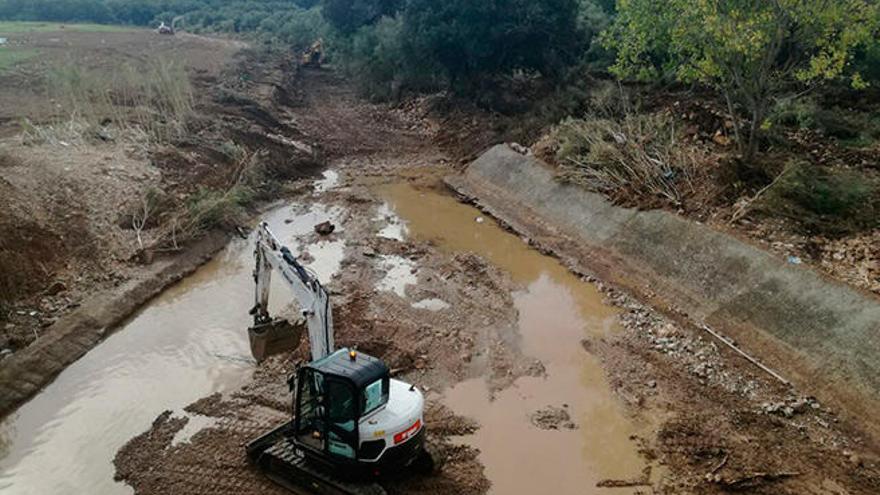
<point>26,372</point>
<point>822,335</point>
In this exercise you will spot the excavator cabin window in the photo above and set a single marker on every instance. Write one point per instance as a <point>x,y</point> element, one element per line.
<point>309,408</point>
<point>375,395</point>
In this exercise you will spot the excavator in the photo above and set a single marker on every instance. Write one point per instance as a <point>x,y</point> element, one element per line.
<point>352,424</point>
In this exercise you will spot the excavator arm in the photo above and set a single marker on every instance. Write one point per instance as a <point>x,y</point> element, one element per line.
<point>311,297</point>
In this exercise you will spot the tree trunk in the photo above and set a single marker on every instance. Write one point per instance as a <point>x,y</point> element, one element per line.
<point>758,113</point>
<point>736,122</point>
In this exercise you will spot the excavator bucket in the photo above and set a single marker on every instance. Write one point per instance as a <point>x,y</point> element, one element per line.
<point>274,337</point>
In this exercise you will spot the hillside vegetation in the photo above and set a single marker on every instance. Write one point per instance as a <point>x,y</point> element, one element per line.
<point>759,114</point>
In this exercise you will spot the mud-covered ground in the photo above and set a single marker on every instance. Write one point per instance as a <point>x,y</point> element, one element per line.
<point>710,421</point>
<point>69,197</point>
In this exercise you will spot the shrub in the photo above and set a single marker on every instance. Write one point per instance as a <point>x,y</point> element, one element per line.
<point>348,16</point>
<point>301,29</point>
<point>751,51</point>
<point>825,201</point>
<point>208,209</point>
<point>641,155</point>
<point>850,126</point>
<point>375,57</point>
<point>470,42</point>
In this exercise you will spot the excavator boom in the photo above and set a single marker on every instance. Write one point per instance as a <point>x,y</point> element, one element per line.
<point>311,297</point>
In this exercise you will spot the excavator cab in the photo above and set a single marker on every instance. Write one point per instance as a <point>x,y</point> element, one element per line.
<point>352,423</point>
<point>332,395</point>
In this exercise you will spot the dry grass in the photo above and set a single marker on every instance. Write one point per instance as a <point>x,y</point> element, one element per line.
<point>7,160</point>
<point>639,155</point>
<point>145,104</point>
<point>209,209</point>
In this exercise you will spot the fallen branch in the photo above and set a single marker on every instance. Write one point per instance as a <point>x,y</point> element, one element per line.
<point>755,478</point>
<point>747,204</point>
<point>720,464</point>
<point>743,354</point>
<point>643,480</point>
<point>713,476</point>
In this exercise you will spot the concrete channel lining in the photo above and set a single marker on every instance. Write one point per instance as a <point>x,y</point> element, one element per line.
<point>716,277</point>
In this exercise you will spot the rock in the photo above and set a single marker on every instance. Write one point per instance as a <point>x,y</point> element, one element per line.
<point>56,288</point>
<point>800,405</point>
<point>522,150</point>
<point>325,228</point>
<point>369,252</point>
<point>104,135</point>
<point>667,330</point>
<point>552,418</point>
<point>721,139</point>
<point>306,257</point>
<point>856,460</point>
<point>5,353</point>
<point>652,384</point>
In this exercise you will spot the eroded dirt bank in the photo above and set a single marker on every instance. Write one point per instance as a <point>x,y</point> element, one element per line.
<point>96,222</point>
<point>698,416</point>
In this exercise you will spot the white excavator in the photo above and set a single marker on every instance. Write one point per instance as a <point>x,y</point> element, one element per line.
<point>352,423</point>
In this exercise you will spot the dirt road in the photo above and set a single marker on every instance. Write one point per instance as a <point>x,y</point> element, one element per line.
<point>512,350</point>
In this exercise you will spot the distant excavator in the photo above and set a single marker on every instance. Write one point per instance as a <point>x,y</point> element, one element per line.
<point>352,423</point>
<point>313,56</point>
<point>172,29</point>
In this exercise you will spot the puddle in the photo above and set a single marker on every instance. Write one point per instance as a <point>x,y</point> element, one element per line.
<point>394,227</point>
<point>556,312</point>
<point>188,343</point>
<point>399,272</point>
<point>194,424</point>
<point>329,180</point>
<point>431,304</point>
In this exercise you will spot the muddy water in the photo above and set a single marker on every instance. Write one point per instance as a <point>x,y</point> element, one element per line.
<point>186,344</point>
<point>556,312</point>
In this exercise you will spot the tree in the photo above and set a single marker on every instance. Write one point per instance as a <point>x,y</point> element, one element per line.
<point>348,16</point>
<point>472,40</point>
<point>750,50</point>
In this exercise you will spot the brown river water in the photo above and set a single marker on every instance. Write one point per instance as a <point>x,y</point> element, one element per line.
<point>556,312</point>
<point>191,342</point>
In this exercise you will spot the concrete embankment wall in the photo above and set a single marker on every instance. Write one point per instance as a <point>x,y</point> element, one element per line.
<point>821,333</point>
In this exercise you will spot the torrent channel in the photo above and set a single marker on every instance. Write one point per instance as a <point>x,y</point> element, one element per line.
<point>557,312</point>
<point>187,343</point>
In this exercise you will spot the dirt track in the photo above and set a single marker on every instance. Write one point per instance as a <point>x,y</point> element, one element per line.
<point>710,421</point>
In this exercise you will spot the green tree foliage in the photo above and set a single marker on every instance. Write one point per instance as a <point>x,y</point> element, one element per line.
<point>348,16</point>
<point>375,53</point>
<point>751,50</point>
<point>472,41</point>
<point>296,22</point>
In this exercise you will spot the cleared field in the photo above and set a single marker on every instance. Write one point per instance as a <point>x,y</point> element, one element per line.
<point>10,57</point>
<point>11,27</point>
<point>30,61</point>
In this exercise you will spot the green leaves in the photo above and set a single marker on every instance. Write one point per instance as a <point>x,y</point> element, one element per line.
<point>749,49</point>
